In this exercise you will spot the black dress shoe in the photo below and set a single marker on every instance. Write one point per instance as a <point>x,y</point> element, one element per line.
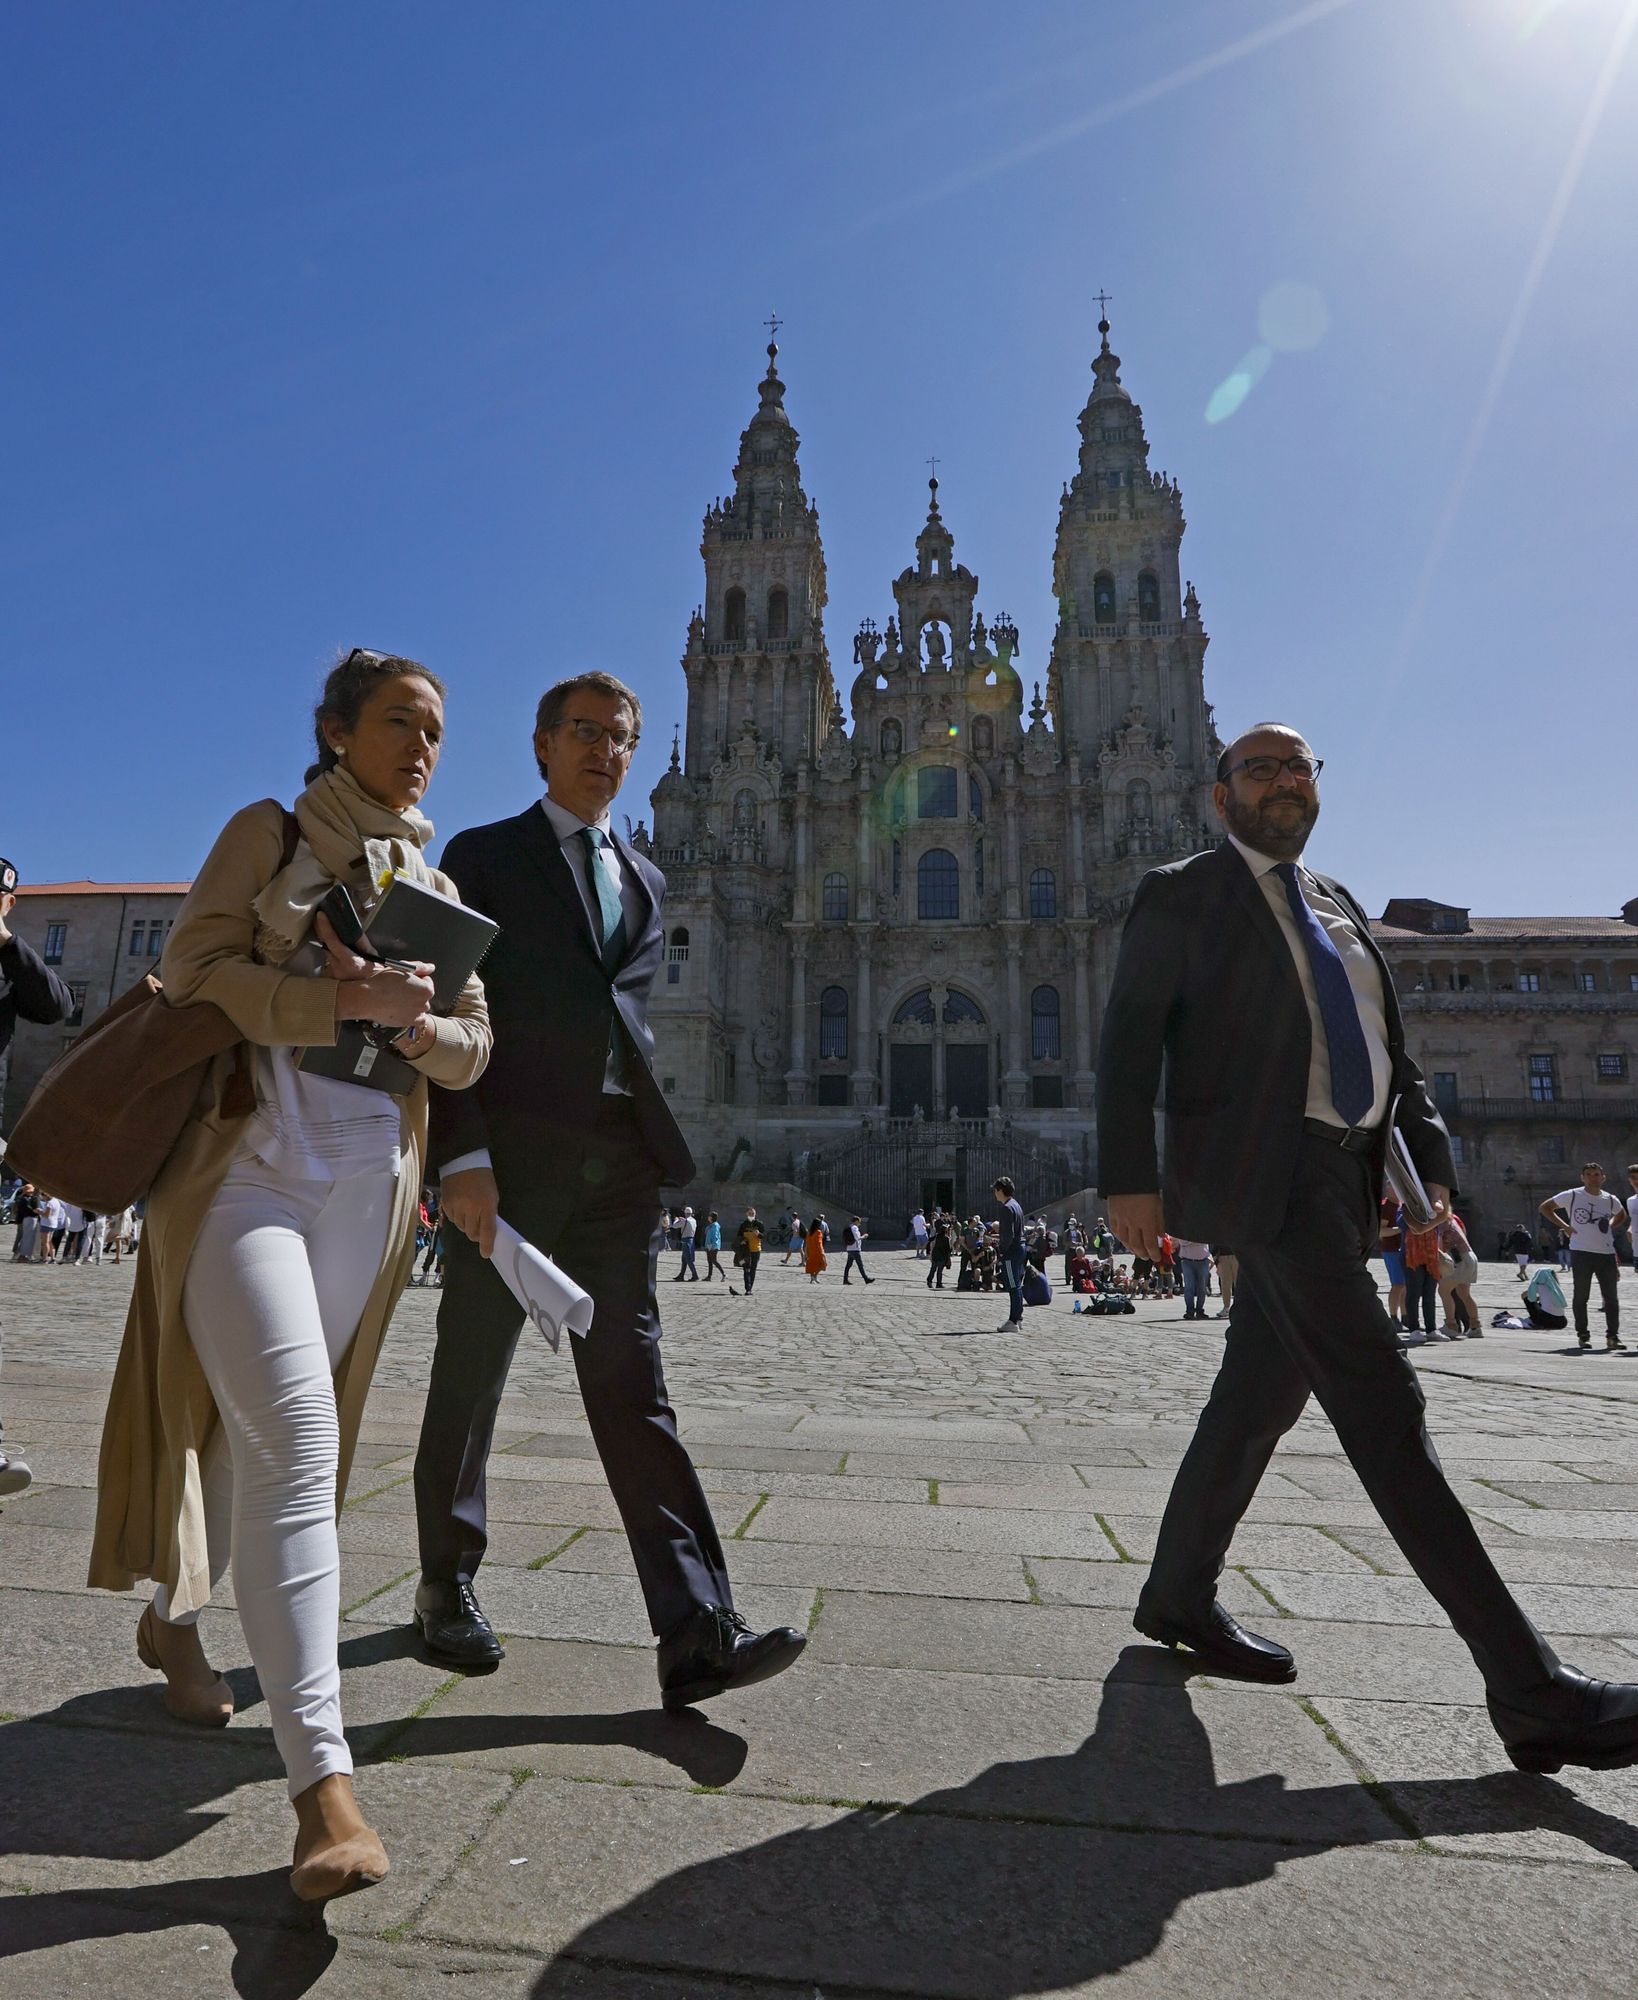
<point>452,1627</point>
<point>714,1650</point>
<point>1572,1720</point>
<point>1221,1643</point>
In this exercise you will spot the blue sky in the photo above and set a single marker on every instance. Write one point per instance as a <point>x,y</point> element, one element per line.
<point>435,328</point>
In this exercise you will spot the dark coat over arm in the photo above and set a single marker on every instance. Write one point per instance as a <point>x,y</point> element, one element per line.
<point>29,990</point>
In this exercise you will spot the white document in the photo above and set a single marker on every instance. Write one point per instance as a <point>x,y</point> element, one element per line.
<point>550,1298</point>
<point>1399,1171</point>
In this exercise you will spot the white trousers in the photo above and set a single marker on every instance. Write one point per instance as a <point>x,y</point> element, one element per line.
<point>279,1278</point>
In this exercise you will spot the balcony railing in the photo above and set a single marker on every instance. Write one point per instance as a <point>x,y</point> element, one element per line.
<point>1610,1110</point>
<point>1437,1000</point>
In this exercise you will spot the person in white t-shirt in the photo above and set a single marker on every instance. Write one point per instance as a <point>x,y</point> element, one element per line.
<point>1595,1220</point>
<point>1632,1213</point>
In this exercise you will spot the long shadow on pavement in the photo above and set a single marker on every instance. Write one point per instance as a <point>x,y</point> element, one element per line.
<point>1028,1879</point>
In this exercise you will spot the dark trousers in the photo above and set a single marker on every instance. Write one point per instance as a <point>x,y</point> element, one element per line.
<point>1307,1319</point>
<point>599,1219</point>
<point>853,1258</point>
<point>748,1264</point>
<point>1585,1265</point>
<point>1421,1291</point>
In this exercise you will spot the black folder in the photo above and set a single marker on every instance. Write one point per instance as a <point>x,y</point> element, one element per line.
<point>411,921</point>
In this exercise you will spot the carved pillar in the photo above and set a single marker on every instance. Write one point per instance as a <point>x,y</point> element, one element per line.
<point>1085,1078</point>
<point>941,992</point>
<point>864,883</point>
<point>802,888</point>
<point>1011,907</point>
<point>725,677</point>
<point>862,1080</point>
<point>1077,838</point>
<point>1015,1084</point>
<point>796,1077</point>
<point>777,733</point>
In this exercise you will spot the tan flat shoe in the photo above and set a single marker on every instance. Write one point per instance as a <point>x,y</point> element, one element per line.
<point>193,1692</point>
<point>336,1853</point>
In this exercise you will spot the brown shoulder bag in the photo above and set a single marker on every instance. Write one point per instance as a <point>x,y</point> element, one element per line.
<point>103,1119</point>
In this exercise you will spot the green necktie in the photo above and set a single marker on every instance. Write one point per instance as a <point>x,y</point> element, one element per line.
<point>606,898</point>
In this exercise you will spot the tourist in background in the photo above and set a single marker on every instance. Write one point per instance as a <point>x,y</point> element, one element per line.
<point>1390,1240</point>
<point>747,1252</point>
<point>1009,1252</point>
<point>1458,1273</point>
<point>1194,1263</point>
<point>1419,1248</point>
<point>918,1232</point>
<point>813,1251</point>
<point>941,1244</point>
<point>1592,1221</point>
<point>854,1238</point>
<point>1228,1270</point>
<point>687,1231</point>
<point>1519,1247</point>
<point>712,1239</point>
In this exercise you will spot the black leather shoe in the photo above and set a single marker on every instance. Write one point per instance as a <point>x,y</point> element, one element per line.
<point>1572,1720</point>
<point>714,1650</point>
<point>1222,1644</point>
<point>452,1627</point>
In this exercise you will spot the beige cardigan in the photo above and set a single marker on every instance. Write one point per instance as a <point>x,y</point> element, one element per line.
<point>161,1416</point>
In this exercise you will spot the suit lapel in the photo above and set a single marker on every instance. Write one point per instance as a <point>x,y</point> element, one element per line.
<point>1254,902</point>
<point>538,838</point>
<point>633,867</point>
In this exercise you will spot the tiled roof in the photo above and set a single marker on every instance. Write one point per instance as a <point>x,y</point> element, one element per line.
<point>1590,930</point>
<point>103,888</point>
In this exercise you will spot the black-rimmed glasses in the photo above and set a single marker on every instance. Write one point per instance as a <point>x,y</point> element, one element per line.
<point>622,741</point>
<point>1264,770</point>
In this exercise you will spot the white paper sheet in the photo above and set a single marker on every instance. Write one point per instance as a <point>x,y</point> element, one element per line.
<point>550,1298</point>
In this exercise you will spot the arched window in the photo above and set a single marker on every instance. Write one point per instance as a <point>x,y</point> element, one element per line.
<point>676,955</point>
<point>1140,803</point>
<point>892,741</point>
<point>834,906</point>
<point>779,613</point>
<point>1103,598</point>
<point>733,615</point>
<point>833,1024</point>
<point>1148,596</point>
<point>1043,893</point>
<point>1044,1043</point>
<point>936,791</point>
<point>679,940</point>
<point>957,1007</point>
<point>938,886</point>
<point>917,1010</point>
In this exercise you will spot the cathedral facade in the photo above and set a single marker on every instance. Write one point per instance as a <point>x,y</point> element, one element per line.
<point>902,914</point>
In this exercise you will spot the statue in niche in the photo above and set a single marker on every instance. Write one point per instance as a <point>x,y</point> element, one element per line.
<point>933,637</point>
<point>765,1042</point>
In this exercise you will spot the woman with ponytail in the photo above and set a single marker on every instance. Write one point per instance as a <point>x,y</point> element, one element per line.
<point>280,1234</point>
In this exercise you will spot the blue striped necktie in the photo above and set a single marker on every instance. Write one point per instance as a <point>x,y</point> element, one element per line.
<point>1353,1089</point>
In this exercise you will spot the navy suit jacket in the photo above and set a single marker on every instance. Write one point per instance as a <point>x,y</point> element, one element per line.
<point>552,1007</point>
<point>1206,986</point>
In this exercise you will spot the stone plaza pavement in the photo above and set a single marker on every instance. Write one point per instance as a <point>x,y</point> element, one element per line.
<point>977,1783</point>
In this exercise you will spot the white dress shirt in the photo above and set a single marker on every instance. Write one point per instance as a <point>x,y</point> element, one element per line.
<point>1364,976</point>
<point>569,828</point>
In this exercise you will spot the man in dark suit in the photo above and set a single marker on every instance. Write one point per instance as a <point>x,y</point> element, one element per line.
<point>1257,985</point>
<point>568,1135</point>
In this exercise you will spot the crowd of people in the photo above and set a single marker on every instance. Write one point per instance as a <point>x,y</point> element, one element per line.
<point>50,1230</point>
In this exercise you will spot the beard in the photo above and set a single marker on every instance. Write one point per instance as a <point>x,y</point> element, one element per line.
<point>1277,824</point>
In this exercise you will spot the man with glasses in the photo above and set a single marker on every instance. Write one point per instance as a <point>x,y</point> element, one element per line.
<point>570,1138</point>
<point>1594,1220</point>
<point>1255,984</point>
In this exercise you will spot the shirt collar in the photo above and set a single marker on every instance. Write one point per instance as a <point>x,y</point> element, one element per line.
<point>1259,863</point>
<point>566,824</point>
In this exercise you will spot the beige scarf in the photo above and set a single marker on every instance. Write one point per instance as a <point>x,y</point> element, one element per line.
<point>341,826</point>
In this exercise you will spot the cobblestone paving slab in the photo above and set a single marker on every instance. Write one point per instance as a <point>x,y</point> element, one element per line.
<point>976,1782</point>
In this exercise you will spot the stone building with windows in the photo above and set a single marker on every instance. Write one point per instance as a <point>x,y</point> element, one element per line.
<point>904,913</point>
<point>99,938</point>
<point>1527,1031</point>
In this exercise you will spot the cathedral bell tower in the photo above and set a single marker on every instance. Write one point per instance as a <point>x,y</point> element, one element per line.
<point>1125,682</point>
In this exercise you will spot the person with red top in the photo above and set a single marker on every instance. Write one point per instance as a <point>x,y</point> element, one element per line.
<point>1390,1241</point>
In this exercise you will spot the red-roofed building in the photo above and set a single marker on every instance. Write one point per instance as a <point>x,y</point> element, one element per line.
<point>99,937</point>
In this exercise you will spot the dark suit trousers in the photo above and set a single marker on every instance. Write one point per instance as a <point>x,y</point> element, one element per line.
<point>599,1218</point>
<point>1307,1319</point>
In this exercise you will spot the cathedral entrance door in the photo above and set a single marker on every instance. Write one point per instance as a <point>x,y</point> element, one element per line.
<point>910,1079</point>
<point>937,1194</point>
<point>967,1079</point>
